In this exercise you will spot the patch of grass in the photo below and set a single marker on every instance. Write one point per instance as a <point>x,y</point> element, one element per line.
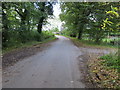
<point>111,61</point>
<point>102,44</point>
<point>103,75</point>
<point>104,70</point>
<point>111,66</point>
<point>28,44</point>
<point>90,43</point>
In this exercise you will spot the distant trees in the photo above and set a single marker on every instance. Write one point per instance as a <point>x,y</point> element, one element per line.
<point>95,19</point>
<point>20,18</point>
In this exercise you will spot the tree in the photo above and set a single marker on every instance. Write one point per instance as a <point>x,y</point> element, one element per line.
<point>91,18</point>
<point>21,18</point>
<point>46,9</point>
<point>75,15</point>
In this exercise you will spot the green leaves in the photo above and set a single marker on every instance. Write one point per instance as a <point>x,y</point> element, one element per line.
<point>21,18</point>
<point>101,18</point>
<point>112,14</point>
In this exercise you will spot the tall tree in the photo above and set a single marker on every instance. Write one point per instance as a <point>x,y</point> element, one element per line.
<point>46,9</point>
<point>75,14</point>
<point>91,18</point>
<point>20,18</point>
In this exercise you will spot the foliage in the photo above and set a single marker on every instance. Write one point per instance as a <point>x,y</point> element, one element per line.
<point>95,19</point>
<point>111,61</point>
<point>16,40</point>
<point>22,22</point>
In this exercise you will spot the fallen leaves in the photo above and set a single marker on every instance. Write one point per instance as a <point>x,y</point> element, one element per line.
<point>104,77</point>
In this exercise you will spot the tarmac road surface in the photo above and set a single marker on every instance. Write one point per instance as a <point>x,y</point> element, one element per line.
<point>54,67</point>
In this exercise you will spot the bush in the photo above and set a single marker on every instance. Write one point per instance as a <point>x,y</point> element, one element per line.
<point>16,38</point>
<point>46,35</point>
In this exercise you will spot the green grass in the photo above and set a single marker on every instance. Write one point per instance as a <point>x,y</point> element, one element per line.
<point>93,44</point>
<point>17,39</point>
<point>108,40</point>
<point>28,44</point>
<point>103,44</point>
<point>111,61</point>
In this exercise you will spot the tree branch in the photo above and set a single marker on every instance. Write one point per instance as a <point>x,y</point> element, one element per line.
<point>18,12</point>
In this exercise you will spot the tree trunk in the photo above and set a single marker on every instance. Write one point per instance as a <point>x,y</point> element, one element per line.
<point>40,24</point>
<point>5,25</point>
<point>80,32</point>
<point>99,36</point>
<point>97,40</point>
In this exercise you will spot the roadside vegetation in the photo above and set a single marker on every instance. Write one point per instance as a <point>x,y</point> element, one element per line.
<point>96,25</point>
<point>111,64</point>
<point>89,43</point>
<point>22,23</point>
<point>27,44</point>
<point>106,71</point>
<point>92,21</point>
<point>91,24</point>
<point>111,61</point>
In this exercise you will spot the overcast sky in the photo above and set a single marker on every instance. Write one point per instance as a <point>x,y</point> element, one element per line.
<point>56,9</point>
<point>56,13</point>
<point>56,21</point>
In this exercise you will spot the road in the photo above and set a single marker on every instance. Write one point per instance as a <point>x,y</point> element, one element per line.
<point>54,67</point>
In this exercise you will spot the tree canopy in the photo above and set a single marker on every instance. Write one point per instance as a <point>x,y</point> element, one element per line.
<point>95,19</point>
<point>21,18</point>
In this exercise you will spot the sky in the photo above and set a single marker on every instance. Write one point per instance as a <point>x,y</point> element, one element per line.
<point>57,10</point>
<point>56,21</point>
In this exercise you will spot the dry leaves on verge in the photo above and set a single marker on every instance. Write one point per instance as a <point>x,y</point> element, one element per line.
<point>103,76</point>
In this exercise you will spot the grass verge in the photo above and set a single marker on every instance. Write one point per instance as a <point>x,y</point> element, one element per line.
<point>28,44</point>
<point>89,44</point>
<point>112,61</point>
<point>105,70</point>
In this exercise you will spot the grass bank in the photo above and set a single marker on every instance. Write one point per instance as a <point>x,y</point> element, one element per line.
<point>28,44</point>
<point>87,43</point>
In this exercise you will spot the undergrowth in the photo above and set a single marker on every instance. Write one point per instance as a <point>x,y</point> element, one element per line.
<point>16,40</point>
<point>111,61</point>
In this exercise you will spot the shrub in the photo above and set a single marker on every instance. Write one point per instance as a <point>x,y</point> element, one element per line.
<point>15,38</point>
